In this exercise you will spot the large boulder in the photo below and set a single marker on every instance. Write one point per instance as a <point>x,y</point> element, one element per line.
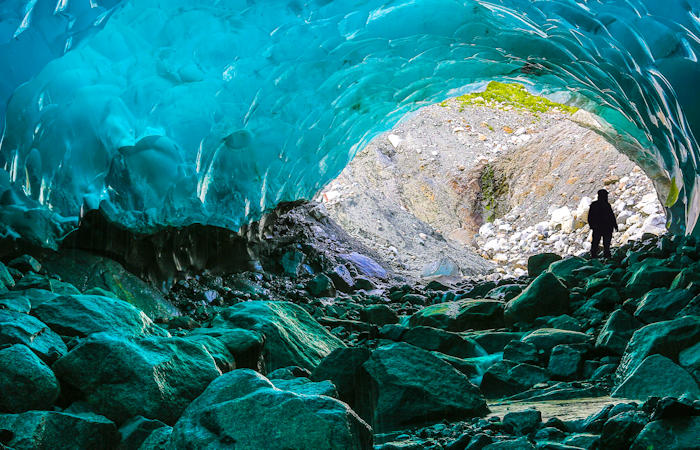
<point>566,268</point>
<point>674,433</point>
<point>616,332</point>
<point>649,275</point>
<point>545,296</point>
<point>18,328</point>
<point>243,409</point>
<point>545,339</point>
<point>461,315</point>
<point>81,315</point>
<point>52,430</point>
<point>344,368</point>
<point>667,338</point>
<point>26,382</point>
<point>246,346</point>
<point>536,264</point>
<point>662,304</point>
<point>88,271</point>
<point>657,376</point>
<point>155,377</point>
<point>292,336</point>
<point>442,341</point>
<point>409,386</point>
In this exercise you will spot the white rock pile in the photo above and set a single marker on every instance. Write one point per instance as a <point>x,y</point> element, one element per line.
<point>509,244</point>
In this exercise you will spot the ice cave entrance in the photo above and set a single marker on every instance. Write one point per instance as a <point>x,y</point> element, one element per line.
<point>499,174</point>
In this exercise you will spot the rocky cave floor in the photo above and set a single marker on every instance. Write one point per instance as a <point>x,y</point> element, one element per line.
<point>320,347</point>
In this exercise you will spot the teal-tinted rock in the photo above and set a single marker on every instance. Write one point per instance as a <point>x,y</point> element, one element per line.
<point>410,386</point>
<point>565,268</point>
<point>6,279</point>
<point>446,342</point>
<point>536,264</point>
<point>18,328</point>
<point>657,376</point>
<point>675,433</point>
<point>662,304</point>
<point>505,292</point>
<point>667,338</point>
<point>291,262</point>
<point>25,263</point>
<point>26,382</point>
<point>606,299</point>
<point>616,332</point>
<point>304,386</point>
<point>292,336</point>
<point>545,296</point>
<point>52,430</point>
<point>81,315</point>
<point>689,359</point>
<point>246,346</point>
<point>225,361</point>
<point>649,276</point>
<point>155,377</point>
<point>546,339</point>
<point>378,315</point>
<point>343,367</point>
<point>16,303</point>
<point>321,286</point>
<point>461,315</point>
<point>86,271</point>
<point>244,408</point>
<point>35,296</point>
<point>135,431</point>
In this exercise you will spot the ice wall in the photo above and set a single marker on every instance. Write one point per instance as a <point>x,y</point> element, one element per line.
<point>183,111</point>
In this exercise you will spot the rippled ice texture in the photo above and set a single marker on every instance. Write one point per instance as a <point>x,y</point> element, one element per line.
<point>170,112</point>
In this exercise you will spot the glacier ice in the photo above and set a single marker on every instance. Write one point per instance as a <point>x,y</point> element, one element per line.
<point>172,112</point>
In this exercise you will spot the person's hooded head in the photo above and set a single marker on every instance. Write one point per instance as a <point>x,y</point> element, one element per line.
<point>603,195</point>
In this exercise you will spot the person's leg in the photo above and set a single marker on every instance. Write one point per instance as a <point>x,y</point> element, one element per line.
<point>595,243</point>
<point>606,244</point>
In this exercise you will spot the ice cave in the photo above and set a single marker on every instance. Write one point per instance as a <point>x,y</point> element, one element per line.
<point>172,113</point>
<point>349,224</point>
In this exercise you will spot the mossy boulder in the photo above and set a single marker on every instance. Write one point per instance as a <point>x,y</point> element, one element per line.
<point>52,430</point>
<point>461,315</point>
<point>409,386</point>
<point>545,296</point>
<point>244,409</point>
<point>81,315</point>
<point>155,377</point>
<point>26,382</point>
<point>292,336</point>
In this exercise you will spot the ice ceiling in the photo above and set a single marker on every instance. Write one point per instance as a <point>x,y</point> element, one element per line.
<point>171,112</point>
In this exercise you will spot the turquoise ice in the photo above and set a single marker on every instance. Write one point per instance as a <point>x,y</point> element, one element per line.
<point>172,112</point>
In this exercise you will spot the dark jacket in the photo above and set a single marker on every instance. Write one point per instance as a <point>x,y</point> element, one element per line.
<point>601,217</point>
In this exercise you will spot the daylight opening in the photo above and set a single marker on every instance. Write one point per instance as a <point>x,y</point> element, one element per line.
<point>480,182</point>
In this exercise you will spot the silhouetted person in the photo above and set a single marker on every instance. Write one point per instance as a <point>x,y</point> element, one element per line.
<point>602,221</point>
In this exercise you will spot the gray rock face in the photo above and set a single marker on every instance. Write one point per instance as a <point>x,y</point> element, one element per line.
<point>545,296</point>
<point>461,315</point>
<point>667,338</point>
<point>292,336</point>
<point>657,376</point>
<point>408,385</point>
<point>81,315</point>
<point>18,328</point>
<point>26,382</point>
<point>51,430</point>
<point>242,408</point>
<point>662,304</point>
<point>155,377</point>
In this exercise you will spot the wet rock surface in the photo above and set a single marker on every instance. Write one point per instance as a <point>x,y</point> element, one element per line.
<point>378,361</point>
